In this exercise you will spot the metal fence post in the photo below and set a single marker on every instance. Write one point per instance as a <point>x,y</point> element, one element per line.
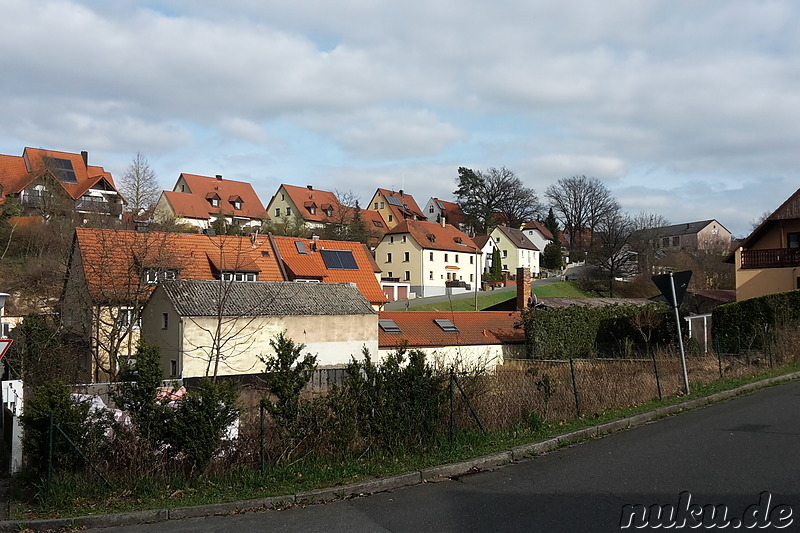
<point>658,380</point>
<point>575,388</point>
<point>261,438</point>
<point>49,460</point>
<point>452,407</point>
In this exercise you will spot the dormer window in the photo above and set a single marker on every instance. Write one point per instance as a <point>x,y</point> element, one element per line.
<point>230,275</point>
<point>213,199</point>
<point>236,201</point>
<point>154,275</point>
<point>215,202</point>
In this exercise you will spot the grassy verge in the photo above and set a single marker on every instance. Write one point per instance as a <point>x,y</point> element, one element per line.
<point>77,496</point>
<point>467,304</point>
<point>560,288</point>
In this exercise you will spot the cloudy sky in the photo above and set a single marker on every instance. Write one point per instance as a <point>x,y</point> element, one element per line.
<point>684,108</point>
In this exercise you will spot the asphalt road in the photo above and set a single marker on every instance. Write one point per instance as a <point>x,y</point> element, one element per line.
<point>725,454</point>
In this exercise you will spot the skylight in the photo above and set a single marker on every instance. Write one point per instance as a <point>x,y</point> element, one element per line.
<point>301,248</point>
<point>446,325</point>
<point>388,325</point>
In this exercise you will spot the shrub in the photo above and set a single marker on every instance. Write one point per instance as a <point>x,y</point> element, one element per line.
<point>749,323</point>
<point>138,390</point>
<point>286,375</point>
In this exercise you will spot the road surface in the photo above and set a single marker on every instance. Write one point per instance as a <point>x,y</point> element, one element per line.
<point>725,454</point>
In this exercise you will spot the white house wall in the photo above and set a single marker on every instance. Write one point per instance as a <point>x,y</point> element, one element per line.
<point>484,356</point>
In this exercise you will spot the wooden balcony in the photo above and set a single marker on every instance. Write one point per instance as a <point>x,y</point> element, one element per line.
<point>771,258</point>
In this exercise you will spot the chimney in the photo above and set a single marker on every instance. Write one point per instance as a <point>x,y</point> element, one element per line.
<point>444,220</point>
<point>85,156</point>
<point>219,177</point>
<point>523,287</point>
<point>309,187</point>
<point>401,193</point>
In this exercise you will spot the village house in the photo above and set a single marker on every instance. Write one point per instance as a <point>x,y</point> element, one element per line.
<point>111,274</point>
<point>47,183</point>
<point>324,261</point>
<point>464,339</point>
<point>433,258</point>
<point>200,200</point>
<point>703,235</point>
<point>538,234</point>
<point>437,209</point>
<point>768,260</point>
<point>516,250</point>
<point>487,247</point>
<point>206,328</point>
<point>395,207</point>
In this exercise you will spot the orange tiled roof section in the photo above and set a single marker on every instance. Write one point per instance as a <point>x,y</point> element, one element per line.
<point>187,205</point>
<point>546,233</point>
<point>304,198</point>
<point>410,206</point>
<point>373,221</point>
<point>452,212</point>
<point>114,260</point>
<point>227,190</point>
<point>432,236</point>
<point>474,328</point>
<point>311,265</point>
<point>17,172</point>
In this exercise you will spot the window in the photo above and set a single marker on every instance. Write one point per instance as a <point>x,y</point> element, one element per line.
<point>277,211</point>
<point>183,188</point>
<point>676,241</point>
<point>471,278</point>
<point>408,275</point>
<point>391,218</point>
<point>377,223</point>
<point>388,325</point>
<point>288,211</point>
<point>446,325</point>
<point>403,238</point>
<point>430,209</point>
<point>164,320</point>
<point>456,258</point>
<point>665,242</point>
<point>406,257</point>
<point>389,258</point>
<point>283,197</point>
<point>173,368</point>
<point>215,202</point>
<point>125,316</point>
<point>239,276</point>
<point>471,259</point>
<point>384,205</point>
<point>390,275</point>
<point>237,204</point>
<point>431,256</point>
<point>376,206</point>
<point>391,239</point>
<point>446,258</point>
<point>154,275</point>
<point>312,209</point>
<point>431,276</point>
<point>793,240</point>
<point>505,254</point>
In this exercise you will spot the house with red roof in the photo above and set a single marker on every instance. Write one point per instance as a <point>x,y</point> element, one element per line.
<point>111,274</point>
<point>538,234</point>
<point>48,182</point>
<point>395,207</point>
<point>475,339</point>
<point>516,250</point>
<point>433,258</point>
<point>437,209</point>
<point>200,200</point>
<point>324,261</point>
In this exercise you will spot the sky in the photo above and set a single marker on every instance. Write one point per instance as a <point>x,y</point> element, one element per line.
<point>687,109</point>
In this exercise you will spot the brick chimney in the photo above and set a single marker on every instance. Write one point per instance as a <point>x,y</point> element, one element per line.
<point>219,177</point>
<point>444,220</point>
<point>523,287</point>
<point>85,156</point>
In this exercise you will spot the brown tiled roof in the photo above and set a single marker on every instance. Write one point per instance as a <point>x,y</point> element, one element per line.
<point>410,208</point>
<point>418,328</point>
<point>16,173</point>
<point>187,205</point>
<point>432,236</point>
<point>303,198</point>
<point>517,237</point>
<point>373,221</point>
<point>114,261</point>
<point>452,212</point>
<point>207,187</point>
<point>311,264</point>
<point>546,233</point>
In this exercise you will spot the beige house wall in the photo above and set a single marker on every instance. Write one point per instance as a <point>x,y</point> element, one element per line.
<point>753,282</point>
<point>513,257</point>
<point>379,204</point>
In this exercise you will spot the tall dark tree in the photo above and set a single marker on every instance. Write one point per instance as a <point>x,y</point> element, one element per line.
<point>581,203</point>
<point>496,193</point>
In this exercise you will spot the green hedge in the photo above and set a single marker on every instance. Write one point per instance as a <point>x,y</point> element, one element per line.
<point>578,331</point>
<point>748,324</point>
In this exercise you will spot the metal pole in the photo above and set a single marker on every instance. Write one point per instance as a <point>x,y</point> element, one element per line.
<point>658,381</point>
<point>477,278</point>
<point>575,388</point>
<point>680,335</point>
<point>49,459</point>
<point>261,435</point>
<point>452,407</point>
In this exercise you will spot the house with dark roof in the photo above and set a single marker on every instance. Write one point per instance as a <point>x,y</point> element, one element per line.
<point>395,207</point>
<point>436,209</point>
<point>200,200</point>
<point>703,235</point>
<point>325,261</point>
<point>516,250</point>
<point>487,247</point>
<point>538,234</point>
<point>768,260</point>
<point>433,258</point>
<point>111,274</point>
<point>471,339</point>
<point>47,182</point>
<point>206,327</point>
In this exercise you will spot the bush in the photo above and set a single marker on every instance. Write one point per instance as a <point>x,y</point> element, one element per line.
<point>748,324</point>
<point>138,391</point>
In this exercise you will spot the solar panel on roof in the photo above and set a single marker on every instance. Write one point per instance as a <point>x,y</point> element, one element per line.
<point>339,259</point>
<point>388,325</point>
<point>441,206</point>
<point>394,201</point>
<point>61,168</point>
<point>446,325</point>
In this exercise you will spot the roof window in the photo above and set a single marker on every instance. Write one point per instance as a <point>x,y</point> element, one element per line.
<point>388,325</point>
<point>446,325</point>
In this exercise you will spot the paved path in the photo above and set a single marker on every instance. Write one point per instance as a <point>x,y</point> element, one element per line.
<point>724,454</point>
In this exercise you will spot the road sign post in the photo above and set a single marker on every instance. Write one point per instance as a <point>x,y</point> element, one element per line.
<point>674,295</point>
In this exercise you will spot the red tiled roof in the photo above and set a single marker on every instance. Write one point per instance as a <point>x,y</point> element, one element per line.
<point>114,260</point>
<point>187,205</point>
<point>311,265</point>
<point>303,198</point>
<point>546,233</point>
<point>418,328</point>
<point>16,173</point>
<point>203,186</point>
<point>447,238</point>
<point>452,212</point>
<point>410,207</point>
<point>373,221</point>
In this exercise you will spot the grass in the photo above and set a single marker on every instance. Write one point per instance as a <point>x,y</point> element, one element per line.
<point>78,496</point>
<point>467,304</point>
<point>560,288</point>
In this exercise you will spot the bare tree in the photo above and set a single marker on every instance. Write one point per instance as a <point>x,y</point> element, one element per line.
<point>581,203</point>
<point>612,252</point>
<point>139,185</point>
<point>483,196</point>
<point>645,236</point>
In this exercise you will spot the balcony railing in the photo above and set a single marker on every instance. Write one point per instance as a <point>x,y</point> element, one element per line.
<point>771,258</point>
<point>97,206</point>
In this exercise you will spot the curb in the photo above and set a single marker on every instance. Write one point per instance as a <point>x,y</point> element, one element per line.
<point>433,474</point>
